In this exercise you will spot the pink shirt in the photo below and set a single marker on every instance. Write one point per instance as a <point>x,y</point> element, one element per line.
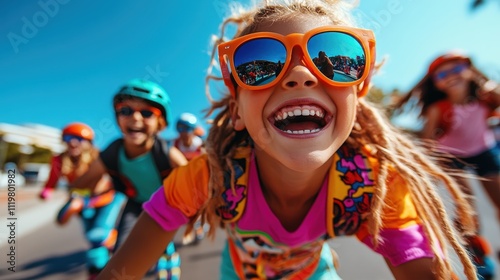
<point>469,134</point>
<point>259,230</point>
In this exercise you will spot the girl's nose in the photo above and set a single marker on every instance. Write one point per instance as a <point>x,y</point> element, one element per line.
<point>73,143</point>
<point>137,115</point>
<point>298,75</point>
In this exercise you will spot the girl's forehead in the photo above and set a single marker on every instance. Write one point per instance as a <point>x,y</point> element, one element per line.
<point>293,24</point>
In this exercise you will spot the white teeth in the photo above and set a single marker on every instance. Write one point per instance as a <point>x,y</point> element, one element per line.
<point>282,115</point>
<point>307,131</point>
<point>299,111</point>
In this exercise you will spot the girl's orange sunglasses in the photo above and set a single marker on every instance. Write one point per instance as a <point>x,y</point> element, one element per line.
<point>338,55</point>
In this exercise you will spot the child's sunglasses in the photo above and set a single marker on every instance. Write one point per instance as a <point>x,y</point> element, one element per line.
<point>457,69</point>
<point>125,110</point>
<point>68,138</point>
<point>184,128</point>
<point>259,60</point>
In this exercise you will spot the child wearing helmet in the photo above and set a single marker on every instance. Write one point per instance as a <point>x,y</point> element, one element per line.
<point>98,206</point>
<point>455,99</point>
<point>140,159</point>
<point>189,141</point>
<point>190,144</point>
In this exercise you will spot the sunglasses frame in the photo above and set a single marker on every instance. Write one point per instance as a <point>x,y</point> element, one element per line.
<point>455,70</point>
<point>155,111</point>
<point>184,128</point>
<point>365,37</point>
<point>68,137</point>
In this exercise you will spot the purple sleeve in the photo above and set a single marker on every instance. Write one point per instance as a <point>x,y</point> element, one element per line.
<point>166,216</point>
<point>402,245</point>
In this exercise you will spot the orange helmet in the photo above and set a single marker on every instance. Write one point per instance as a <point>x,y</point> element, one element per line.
<point>451,56</point>
<point>79,129</point>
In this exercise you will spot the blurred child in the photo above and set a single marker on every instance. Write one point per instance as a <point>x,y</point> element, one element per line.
<point>98,205</point>
<point>190,144</point>
<point>189,141</point>
<point>140,160</point>
<point>455,99</point>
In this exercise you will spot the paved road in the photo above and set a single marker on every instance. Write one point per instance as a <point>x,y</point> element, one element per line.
<point>46,251</point>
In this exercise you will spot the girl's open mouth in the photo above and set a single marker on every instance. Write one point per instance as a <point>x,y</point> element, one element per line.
<point>135,130</point>
<point>303,119</point>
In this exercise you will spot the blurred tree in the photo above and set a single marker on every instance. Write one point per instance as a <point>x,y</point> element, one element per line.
<point>39,155</point>
<point>382,99</point>
<point>376,95</point>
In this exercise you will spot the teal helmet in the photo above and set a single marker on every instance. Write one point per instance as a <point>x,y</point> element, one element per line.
<point>186,123</point>
<point>149,91</point>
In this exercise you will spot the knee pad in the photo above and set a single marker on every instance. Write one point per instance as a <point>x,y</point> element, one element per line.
<point>97,236</point>
<point>72,207</point>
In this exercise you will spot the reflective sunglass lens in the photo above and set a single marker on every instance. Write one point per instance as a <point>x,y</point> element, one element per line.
<point>458,69</point>
<point>184,128</point>
<point>69,138</point>
<point>339,56</point>
<point>453,71</point>
<point>259,61</point>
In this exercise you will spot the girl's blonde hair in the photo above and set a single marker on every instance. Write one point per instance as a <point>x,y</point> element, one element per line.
<point>390,146</point>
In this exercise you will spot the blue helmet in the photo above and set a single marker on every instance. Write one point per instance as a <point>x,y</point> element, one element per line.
<point>187,122</point>
<point>149,91</point>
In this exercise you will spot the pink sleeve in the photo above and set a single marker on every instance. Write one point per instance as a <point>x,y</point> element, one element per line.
<point>402,245</point>
<point>166,216</point>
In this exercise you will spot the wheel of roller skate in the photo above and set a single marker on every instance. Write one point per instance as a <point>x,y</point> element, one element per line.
<point>162,268</point>
<point>162,275</point>
<point>175,273</point>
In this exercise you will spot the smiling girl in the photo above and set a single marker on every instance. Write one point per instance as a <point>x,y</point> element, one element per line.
<point>297,157</point>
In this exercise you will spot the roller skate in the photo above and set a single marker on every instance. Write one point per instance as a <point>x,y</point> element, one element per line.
<point>480,251</point>
<point>196,235</point>
<point>169,264</point>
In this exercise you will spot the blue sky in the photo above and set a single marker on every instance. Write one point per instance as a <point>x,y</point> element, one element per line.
<point>63,60</point>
